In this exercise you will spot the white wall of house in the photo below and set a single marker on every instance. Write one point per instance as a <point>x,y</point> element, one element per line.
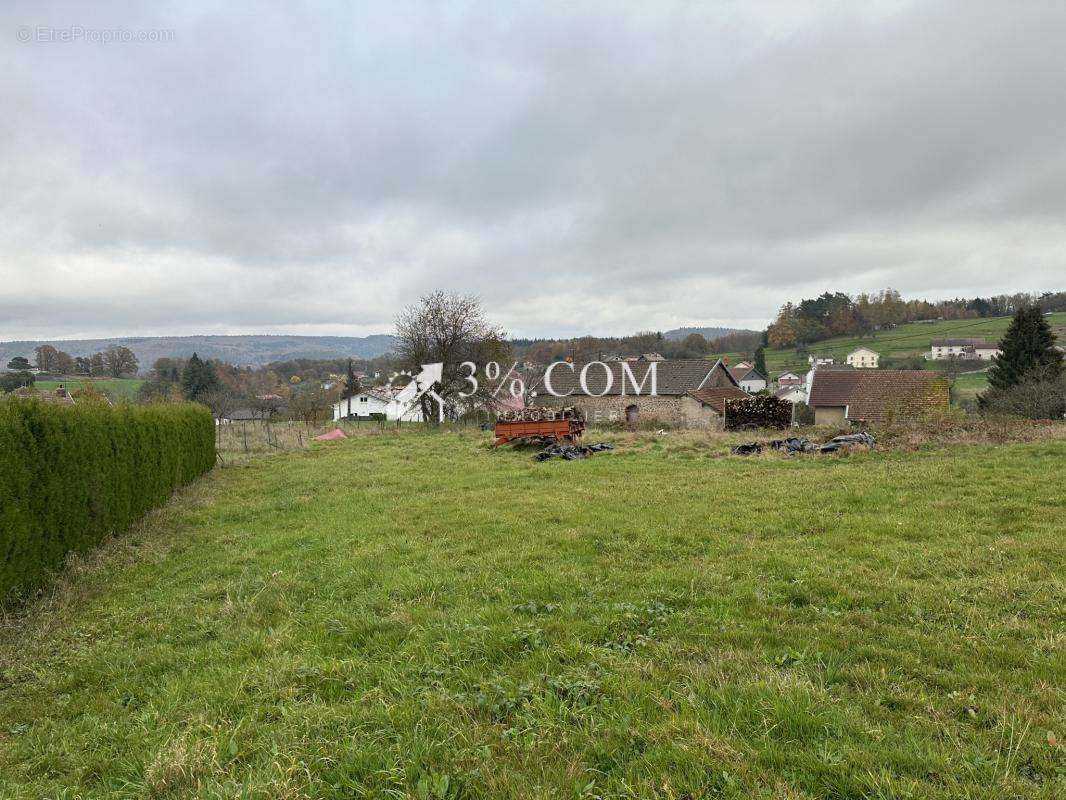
<point>363,405</point>
<point>863,358</point>
<point>752,385</point>
<point>401,412</point>
<point>967,352</point>
<point>795,394</point>
<point>360,405</point>
<point>949,351</point>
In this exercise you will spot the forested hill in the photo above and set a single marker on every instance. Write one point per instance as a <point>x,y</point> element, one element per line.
<point>240,350</point>
<point>710,334</point>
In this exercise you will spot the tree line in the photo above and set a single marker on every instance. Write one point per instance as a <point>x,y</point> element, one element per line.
<point>597,348</point>
<point>838,314</point>
<point>114,362</point>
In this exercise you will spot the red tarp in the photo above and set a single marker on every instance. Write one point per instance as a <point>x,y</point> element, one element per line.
<point>336,433</point>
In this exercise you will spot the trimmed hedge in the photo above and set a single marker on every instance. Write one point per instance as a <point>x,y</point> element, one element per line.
<point>71,475</point>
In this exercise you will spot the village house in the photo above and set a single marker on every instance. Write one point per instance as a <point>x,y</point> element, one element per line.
<point>242,415</point>
<point>748,378</point>
<point>863,358</point>
<point>966,349</point>
<point>789,379</point>
<point>792,393</point>
<point>371,403</point>
<point>866,396</point>
<point>820,360</point>
<point>689,392</point>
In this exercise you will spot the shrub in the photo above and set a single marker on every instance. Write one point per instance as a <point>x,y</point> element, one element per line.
<point>71,475</point>
<point>1033,399</point>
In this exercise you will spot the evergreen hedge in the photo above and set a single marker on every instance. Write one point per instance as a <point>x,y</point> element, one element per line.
<point>71,475</point>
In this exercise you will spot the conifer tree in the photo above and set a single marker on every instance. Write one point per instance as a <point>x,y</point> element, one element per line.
<point>1027,352</point>
<point>760,362</point>
<point>198,379</point>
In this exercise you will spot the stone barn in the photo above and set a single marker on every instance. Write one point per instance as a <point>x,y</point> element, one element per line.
<point>683,392</point>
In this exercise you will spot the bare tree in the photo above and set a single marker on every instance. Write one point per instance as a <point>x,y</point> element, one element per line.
<point>309,405</point>
<point>120,361</point>
<point>221,401</point>
<point>449,329</point>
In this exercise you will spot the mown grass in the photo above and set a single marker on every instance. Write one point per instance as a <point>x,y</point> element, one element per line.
<point>413,615</point>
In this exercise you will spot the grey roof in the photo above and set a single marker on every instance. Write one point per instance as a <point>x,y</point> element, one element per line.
<point>675,377</point>
<point>746,374</point>
<point>243,415</point>
<point>976,343</point>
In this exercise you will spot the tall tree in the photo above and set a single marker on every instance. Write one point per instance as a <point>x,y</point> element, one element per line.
<point>760,362</point>
<point>450,329</point>
<point>352,384</point>
<point>119,361</point>
<point>18,364</point>
<point>46,357</point>
<point>1027,352</point>
<point>695,345</point>
<point>198,379</point>
<point>64,363</point>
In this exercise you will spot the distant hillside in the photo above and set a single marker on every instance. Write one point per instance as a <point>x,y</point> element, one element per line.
<point>677,334</point>
<point>240,350</point>
<point>906,340</point>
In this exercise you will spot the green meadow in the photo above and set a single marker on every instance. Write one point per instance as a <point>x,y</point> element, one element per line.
<point>115,388</point>
<point>905,340</point>
<point>911,339</point>
<point>414,615</point>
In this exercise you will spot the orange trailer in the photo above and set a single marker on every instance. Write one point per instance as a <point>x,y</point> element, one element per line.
<point>546,430</point>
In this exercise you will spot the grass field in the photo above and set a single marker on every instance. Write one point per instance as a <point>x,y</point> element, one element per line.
<point>906,340</point>
<point>412,615</point>
<point>115,388</point>
<point>970,384</point>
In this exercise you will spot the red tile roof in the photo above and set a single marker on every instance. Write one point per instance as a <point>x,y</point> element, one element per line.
<point>875,395</point>
<point>715,396</point>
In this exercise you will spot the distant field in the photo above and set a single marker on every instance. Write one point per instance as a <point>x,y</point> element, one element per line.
<point>969,385</point>
<point>412,615</point>
<point>910,339</point>
<point>115,388</point>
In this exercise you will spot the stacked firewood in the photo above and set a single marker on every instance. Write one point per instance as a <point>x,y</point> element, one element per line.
<point>758,411</point>
<point>538,414</point>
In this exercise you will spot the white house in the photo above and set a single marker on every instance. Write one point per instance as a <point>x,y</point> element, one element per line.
<point>748,378</point>
<point>820,360</point>
<point>789,379</point>
<point>968,349</point>
<point>793,394</point>
<point>863,358</point>
<point>376,401</point>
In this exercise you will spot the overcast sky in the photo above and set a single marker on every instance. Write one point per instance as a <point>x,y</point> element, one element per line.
<point>582,167</point>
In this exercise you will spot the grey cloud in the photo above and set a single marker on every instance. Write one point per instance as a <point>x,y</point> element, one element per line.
<point>289,169</point>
